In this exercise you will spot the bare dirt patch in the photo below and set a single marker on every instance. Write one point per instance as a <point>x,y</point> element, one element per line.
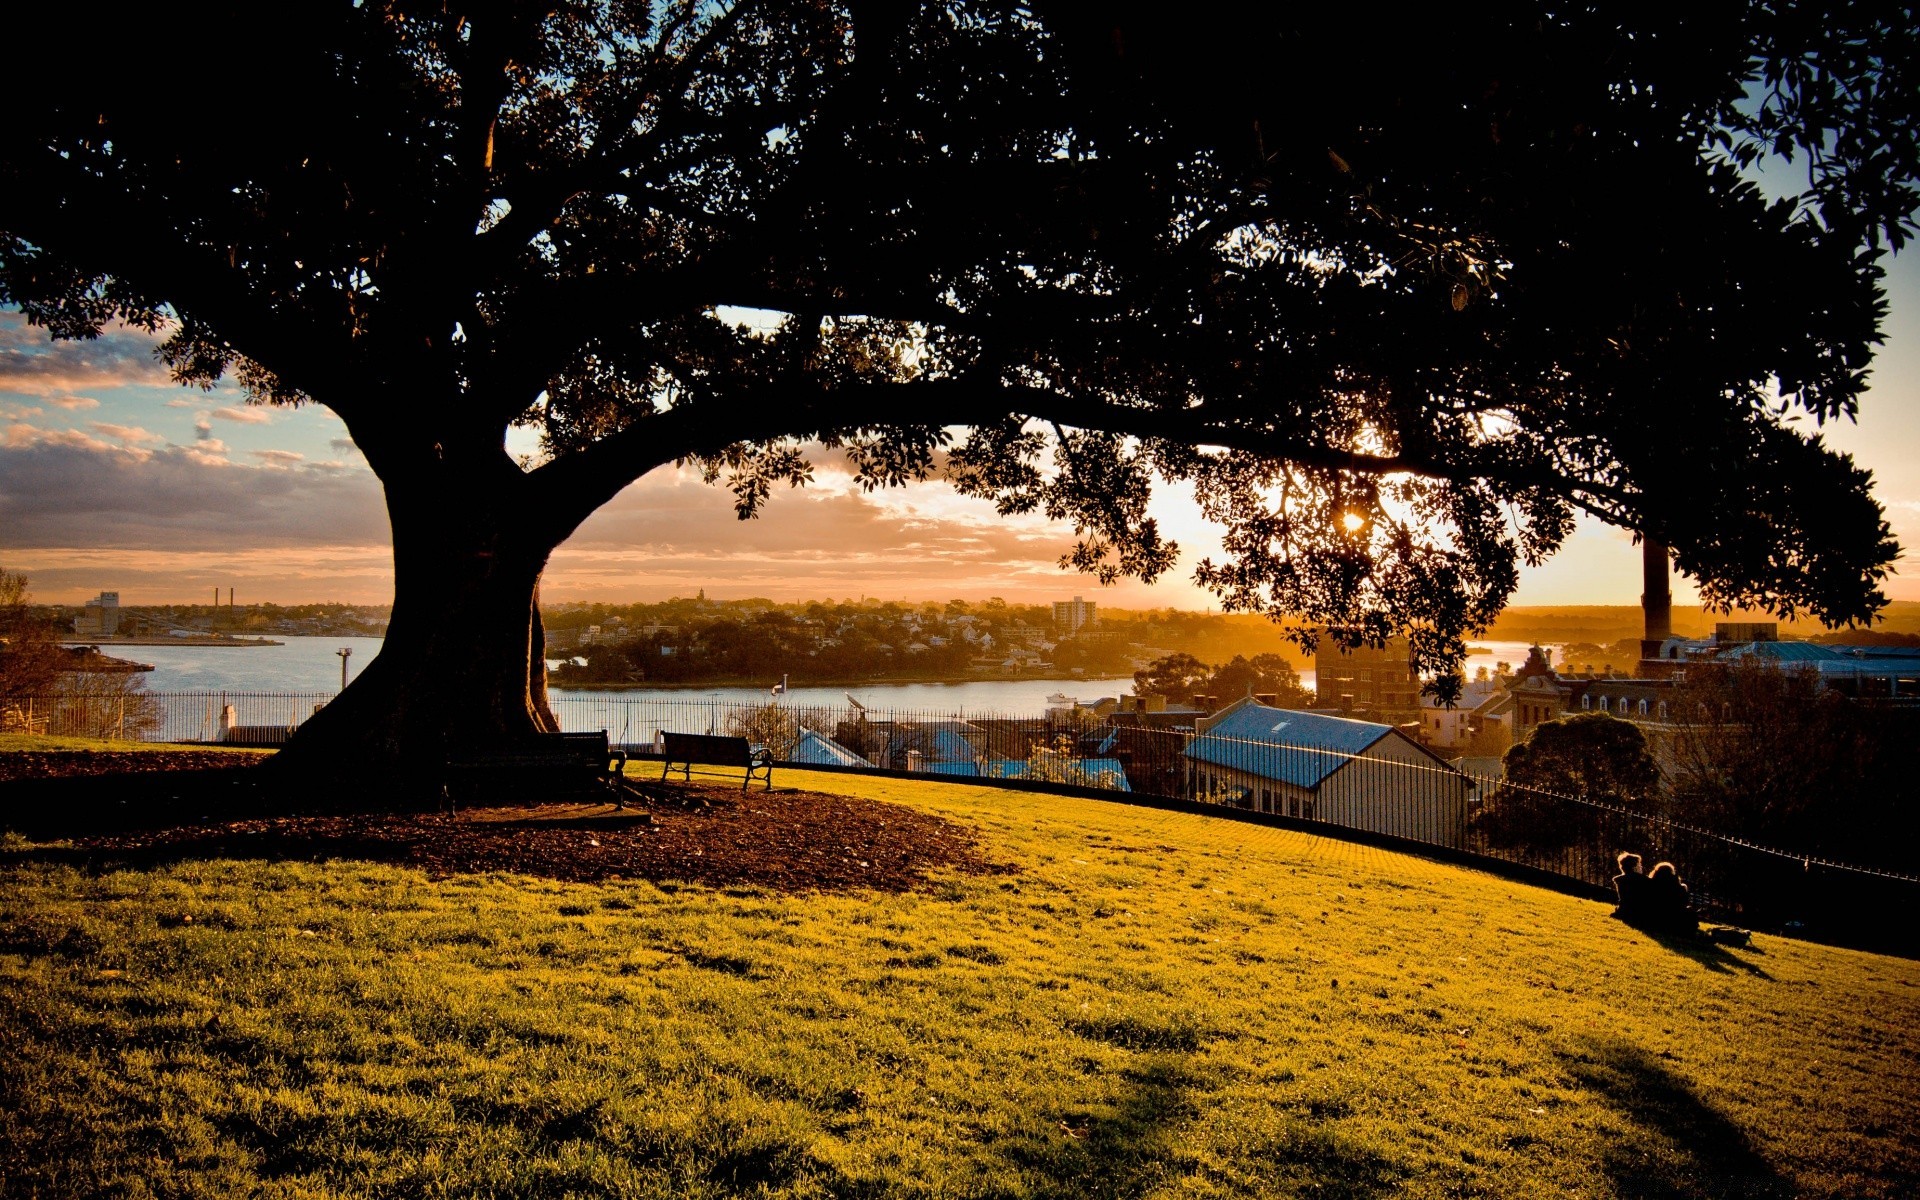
<point>786,839</point>
<point>74,764</point>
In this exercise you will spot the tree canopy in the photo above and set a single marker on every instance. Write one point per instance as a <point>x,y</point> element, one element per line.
<point>1396,299</point>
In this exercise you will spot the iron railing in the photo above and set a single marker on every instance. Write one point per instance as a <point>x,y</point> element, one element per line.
<point>1393,789</point>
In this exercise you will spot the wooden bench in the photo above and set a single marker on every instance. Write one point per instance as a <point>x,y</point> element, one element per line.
<point>689,748</point>
<point>569,763</point>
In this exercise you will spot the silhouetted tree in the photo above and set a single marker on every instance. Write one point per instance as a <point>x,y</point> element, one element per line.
<point>1589,757</point>
<point>1264,674</point>
<point>1175,676</point>
<point>1397,298</point>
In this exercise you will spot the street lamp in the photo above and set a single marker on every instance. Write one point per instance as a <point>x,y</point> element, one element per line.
<point>345,653</point>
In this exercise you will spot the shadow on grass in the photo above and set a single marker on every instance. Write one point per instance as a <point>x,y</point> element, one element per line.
<point>1711,955</point>
<point>1677,1146</point>
<point>1141,1144</point>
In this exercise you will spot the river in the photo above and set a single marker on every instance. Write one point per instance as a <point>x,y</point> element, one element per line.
<point>312,665</point>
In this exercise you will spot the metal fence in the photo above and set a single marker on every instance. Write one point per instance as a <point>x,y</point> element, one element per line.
<point>1391,789</point>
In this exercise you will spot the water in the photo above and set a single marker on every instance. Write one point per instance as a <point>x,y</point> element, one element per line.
<point>302,664</point>
<point>311,664</point>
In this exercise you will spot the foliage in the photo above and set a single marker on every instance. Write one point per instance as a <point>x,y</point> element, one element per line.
<point>29,654</point>
<point>1175,676</point>
<point>1395,327</point>
<point>1264,674</point>
<point>1179,677</point>
<point>1060,762</point>
<point>774,726</point>
<point>1176,1007</point>
<point>1592,757</point>
<point>41,694</point>
<point>1769,753</point>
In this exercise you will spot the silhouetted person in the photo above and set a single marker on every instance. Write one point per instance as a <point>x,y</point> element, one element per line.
<point>1667,903</point>
<point>1629,889</point>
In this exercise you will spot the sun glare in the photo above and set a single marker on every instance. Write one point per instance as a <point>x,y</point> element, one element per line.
<point>1353,522</point>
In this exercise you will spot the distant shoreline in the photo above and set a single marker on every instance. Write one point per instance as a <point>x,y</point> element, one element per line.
<point>170,641</point>
<point>854,684</point>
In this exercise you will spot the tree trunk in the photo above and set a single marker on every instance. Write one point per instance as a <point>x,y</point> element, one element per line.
<point>462,669</point>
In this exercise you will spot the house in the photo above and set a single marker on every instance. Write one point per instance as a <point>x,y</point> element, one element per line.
<point>818,749</point>
<point>1452,727</point>
<point>1360,774</point>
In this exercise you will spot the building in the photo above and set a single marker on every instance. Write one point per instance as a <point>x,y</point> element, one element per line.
<point>1071,616</point>
<point>818,749</point>
<point>1374,682</point>
<point>100,617</point>
<point>1482,702</point>
<point>1361,774</point>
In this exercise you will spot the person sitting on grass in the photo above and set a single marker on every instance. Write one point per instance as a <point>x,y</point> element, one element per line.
<point>1668,905</point>
<point>1629,888</point>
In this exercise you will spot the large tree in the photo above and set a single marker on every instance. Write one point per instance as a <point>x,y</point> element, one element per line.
<point>1397,298</point>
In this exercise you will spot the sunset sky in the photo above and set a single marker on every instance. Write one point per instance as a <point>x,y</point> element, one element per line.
<point>112,477</point>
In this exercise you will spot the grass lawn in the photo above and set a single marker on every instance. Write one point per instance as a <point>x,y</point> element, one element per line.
<point>32,743</point>
<point>1156,1004</point>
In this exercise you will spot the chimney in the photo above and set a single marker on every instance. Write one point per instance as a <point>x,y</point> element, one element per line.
<point>1656,601</point>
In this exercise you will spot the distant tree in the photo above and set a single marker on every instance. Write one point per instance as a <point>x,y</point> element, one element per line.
<point>1057,762</point>
<point>1176,676</point>
<point>1263,674</point>
<point>1771,754</point>
<point>775,726</point>
<point>1591,757</point>
<point>30,657</point>
<point>1395,298</point>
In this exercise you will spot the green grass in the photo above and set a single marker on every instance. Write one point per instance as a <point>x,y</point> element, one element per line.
<point>1155,1005</point>
<point>16,743</point>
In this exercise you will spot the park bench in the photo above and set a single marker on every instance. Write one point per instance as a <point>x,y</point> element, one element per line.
<point>552,763</point>
<point>689,748</point>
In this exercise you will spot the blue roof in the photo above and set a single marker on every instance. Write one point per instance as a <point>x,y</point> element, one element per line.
<point>822,750</point>
<point>1783,652</point>
<point>951,747</point>
<point>1284,744</point>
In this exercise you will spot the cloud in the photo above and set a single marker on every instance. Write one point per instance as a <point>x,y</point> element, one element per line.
<point>208,452</point>
<point>179,402</point>
<point>343,445</point>
<point>21,435</point>
<point>203,430</point>
<point>70,489</point>
<point>279,458</point>
<point>72,402</point>
<point>245,416</point>
<point>34,364</point>
<point>132,435</point>
<point>671,533</point>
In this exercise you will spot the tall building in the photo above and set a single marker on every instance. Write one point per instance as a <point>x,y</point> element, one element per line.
<point>100,618</point>
<point>1377,682</point>
<point>1070,616</point>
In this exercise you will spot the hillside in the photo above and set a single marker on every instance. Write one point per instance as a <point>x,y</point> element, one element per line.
<point>1604,624</point>
<point>1150,1003</point>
